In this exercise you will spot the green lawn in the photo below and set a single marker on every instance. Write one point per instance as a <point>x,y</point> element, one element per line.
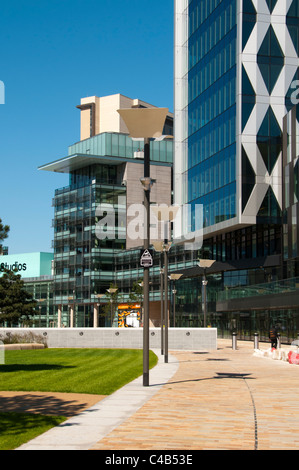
<point>18,428</point>
<point>94,371</point>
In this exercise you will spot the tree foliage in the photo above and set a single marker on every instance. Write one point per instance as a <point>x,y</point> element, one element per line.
<point>136,293</point>
<point>4,229</point>
<point>112,301</point>
<point>16,305</point>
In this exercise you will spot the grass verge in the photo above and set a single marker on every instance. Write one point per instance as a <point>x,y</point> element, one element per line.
<point>93,371</point>
<point>18,428</point>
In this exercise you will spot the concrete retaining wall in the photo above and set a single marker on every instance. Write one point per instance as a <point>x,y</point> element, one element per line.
<point>125,338</point>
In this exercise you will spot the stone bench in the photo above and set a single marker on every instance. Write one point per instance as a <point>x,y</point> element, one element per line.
<point>19,346</point>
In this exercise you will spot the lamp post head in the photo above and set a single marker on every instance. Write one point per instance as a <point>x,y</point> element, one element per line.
<point>205,263</point>
<point>160,246</point>
<point>144,122</point>
<point>112,290</point>
<point>175,277</point>
<point>147,183</point>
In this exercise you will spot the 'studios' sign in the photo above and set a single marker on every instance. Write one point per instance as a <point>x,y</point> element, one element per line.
<point>16,267</point>
<point>28,265</point>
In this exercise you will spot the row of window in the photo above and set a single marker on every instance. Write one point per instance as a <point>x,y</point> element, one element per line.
<point>212,174</point>
<point>218,206</point>
<point>111,195</point>
<point>121,145</point>
<point>213,66</point>
<point>251,242</point>
<point>208,33</point>
<point>199,11</point>
<point>213,102</point>
<point>101,173</point>
<point>212,138</point>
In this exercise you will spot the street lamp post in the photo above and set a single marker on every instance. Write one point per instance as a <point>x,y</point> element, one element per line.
<point>145,123</point>
<point>40,311</point>
<point>97,310</point>
<point>205,264</point>
<point>111,291</point>
<point>164,247</point>
<point>162,304</point>
<point>166,215</point>
<point>141,284</point>
<point>174,278</point>
<point>174,291</point>
<point>72,309</point>
<point>147,187</point>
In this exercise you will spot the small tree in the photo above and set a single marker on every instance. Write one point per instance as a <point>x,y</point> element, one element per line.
<point>4,229</point>
<point>16,305</point>
<point>136,293</point>
<point>109,307</point>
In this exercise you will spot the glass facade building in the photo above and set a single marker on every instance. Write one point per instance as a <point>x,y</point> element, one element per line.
<point>236,74</point>
<point>212,74</point>
<point>85,265</point>
<point>235,67</point>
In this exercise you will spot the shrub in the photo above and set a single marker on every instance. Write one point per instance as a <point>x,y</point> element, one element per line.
<point>22,338</point>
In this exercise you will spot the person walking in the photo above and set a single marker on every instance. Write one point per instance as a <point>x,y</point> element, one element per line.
<point>273,337</point>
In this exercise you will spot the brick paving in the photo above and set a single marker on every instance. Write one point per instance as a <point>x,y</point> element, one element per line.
<point>218,400</point>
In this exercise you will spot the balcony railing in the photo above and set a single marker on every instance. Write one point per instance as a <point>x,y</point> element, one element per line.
<point>270,288</point>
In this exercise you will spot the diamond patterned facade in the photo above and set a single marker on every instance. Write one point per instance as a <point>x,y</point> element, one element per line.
<point>269,60</point>
<point>236,72</point>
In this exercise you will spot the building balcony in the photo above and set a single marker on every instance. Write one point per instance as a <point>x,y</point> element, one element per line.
<point>270,295</point>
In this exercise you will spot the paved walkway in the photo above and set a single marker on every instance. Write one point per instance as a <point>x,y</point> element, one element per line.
<point>216,400</point>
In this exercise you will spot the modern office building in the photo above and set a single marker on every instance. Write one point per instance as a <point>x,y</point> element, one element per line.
<point>92,214</point>
<point>234,156</point>
<point>236,66</point>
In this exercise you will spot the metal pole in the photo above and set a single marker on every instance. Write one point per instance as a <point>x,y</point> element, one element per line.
<point>111,313</point>
<point>174,292</point>
<point>74,307</point>
<point>166,303</point>
<point>59,316</point>
<point>162,309</point>
<point>256,340</point>
<point>234,341</point>
<point>72,316</point>
<point>204,284</point>
<point>146,269</point>
<point>95,315</point>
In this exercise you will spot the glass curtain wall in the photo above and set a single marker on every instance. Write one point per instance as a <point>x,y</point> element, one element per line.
<point>83,263</point>
<point>42,292</point>
<point>212,109</point>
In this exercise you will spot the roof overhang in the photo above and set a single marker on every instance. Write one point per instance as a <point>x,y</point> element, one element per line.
<point>77,161</point>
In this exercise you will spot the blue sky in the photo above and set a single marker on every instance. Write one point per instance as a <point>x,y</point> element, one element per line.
<point>54,52</point>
